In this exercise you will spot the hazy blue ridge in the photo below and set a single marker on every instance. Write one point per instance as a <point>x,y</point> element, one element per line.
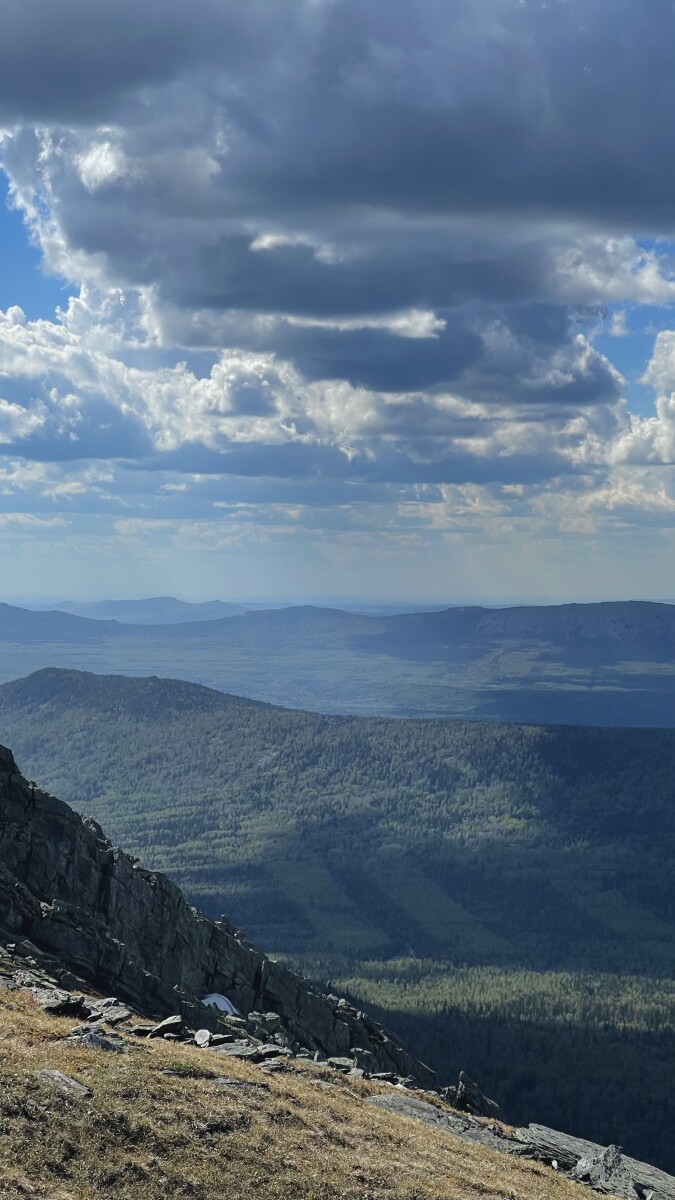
<point>603,664</point>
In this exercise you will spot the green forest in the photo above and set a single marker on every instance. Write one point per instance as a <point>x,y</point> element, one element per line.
<point>501,895</point>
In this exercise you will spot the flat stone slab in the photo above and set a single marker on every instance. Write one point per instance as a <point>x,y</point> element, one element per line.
<point>70,1087</point>
<point>549,1144</point>
<point>272,1050</point>
<point>254,1052</point>
<point>462,1127</point>
<point>239,1084</point>
<point>408,1106</point>
<point>338,1063</point>
<point>172,1025</point>
<point>236,1050</point>
<point>115,1015</point>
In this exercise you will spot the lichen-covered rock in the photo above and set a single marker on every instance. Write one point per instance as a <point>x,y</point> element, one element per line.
<point>95,1039</point>
<point>64,1083</point>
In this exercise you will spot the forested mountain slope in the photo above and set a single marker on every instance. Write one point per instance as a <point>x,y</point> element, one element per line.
<point>501,890</point>
<point>484,843</point>
<point>604,664</point>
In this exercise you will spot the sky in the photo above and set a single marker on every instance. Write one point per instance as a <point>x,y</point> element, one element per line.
<point>365,298</point>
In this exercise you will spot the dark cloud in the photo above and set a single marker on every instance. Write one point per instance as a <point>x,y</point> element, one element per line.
<point>380,360</point>
<point>515,354</point>
<point>196,267</point>
<point>383,152</point>
<point>318,113</point>
<point>71,60</point>
<point>303,174</point>
<point>562,108</point>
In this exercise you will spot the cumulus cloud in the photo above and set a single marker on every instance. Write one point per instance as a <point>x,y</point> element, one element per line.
<point>651,439</point>
<point>327,252</point>
<point>17,423</point>
<point>74,397</point>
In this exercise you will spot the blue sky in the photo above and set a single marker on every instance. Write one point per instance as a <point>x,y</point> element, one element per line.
<point>22,280</point>
<point>337,298</point>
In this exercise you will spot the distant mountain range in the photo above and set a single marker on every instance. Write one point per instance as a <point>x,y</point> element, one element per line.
<point>157,610</point>
<point>608,664</point>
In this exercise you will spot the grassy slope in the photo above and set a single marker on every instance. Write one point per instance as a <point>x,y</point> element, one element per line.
<point>145,1132</point>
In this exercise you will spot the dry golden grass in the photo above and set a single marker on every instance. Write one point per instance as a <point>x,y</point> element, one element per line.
<point>146,1135</point>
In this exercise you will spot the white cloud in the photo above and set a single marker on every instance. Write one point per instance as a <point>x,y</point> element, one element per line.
<point>78,382</point>
<point>618,327</point>
<point>17,422</point>
<point>651,439</point>
<point>101,163</point>
<point>413,323</point>
<point>29,521</point>
<point>614,270</point>
<point>323,252</point>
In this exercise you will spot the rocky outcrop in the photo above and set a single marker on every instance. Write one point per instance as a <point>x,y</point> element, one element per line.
<point>106,920</point>
<point>604,1168</point>
<point>468,1097</point>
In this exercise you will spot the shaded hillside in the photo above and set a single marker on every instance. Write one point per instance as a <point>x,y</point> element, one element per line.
<point>604,664</point>
<point>374,838</point>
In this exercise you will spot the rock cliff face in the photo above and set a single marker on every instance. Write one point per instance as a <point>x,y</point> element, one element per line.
<point>128,930</point>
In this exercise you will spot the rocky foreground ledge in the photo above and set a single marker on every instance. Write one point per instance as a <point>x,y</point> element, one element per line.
<point>107,1027</point>
<point>261,1039</point>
